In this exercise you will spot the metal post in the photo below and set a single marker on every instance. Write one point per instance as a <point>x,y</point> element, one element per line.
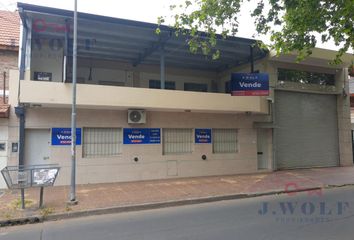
<point>23,204</point>
<point>66,51</point>
<point>252,59</point>
<point>162,67</point>
<point>41,197</point>
<point>4,93</point>
<point>23,47</point>
<point>73,115</point>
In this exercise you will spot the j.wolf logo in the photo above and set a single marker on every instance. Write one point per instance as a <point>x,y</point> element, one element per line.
<point>55,44</point>
<point>315,209</point>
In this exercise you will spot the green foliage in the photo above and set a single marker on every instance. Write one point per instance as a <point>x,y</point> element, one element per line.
<point>292,24</point>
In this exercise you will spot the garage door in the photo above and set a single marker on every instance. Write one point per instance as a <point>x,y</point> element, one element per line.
<point>307,132</point>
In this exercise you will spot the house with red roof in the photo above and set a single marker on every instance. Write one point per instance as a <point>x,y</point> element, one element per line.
<point>9,47</point>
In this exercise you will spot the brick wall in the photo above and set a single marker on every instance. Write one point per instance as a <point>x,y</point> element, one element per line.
<point>8,60</point>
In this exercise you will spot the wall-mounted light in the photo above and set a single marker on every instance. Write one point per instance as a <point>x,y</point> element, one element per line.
<point>269,99</point>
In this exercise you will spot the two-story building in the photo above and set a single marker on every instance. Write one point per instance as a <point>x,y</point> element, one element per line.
<point>150,109</point>
<point>9,43</point>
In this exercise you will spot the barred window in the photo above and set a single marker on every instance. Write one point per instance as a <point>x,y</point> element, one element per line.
<point>225,141</point>
<point>177,140</point>
<point>102,142</point>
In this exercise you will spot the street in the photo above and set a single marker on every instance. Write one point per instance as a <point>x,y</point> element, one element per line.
<point>327,214</point>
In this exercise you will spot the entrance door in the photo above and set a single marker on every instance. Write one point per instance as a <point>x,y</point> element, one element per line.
<point>262,148</point>
<point>37,146</point>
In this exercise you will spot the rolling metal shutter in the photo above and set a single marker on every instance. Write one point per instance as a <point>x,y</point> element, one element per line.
<point>307,130</point>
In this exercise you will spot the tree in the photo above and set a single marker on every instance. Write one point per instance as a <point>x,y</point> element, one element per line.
<point>292,24</point>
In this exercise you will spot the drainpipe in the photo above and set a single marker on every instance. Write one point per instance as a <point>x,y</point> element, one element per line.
<point>21,114</point>
<point>274,145</point>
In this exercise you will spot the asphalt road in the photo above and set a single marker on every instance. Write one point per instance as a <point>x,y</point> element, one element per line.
<point>314,215</point>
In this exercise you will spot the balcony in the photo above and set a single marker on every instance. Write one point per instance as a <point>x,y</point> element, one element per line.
<point>56,94</point>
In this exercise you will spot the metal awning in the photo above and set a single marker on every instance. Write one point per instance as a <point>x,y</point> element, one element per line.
<point>108,38</point>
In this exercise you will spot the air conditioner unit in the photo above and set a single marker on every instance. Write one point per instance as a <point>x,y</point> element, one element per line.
<point>136,116</point>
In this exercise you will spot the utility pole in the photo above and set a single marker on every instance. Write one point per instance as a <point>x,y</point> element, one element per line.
<point>73,199</point>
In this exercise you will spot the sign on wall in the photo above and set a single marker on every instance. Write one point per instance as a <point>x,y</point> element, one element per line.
<point>202,135</point>
<point>62,136</point>
<point>249,84</point>
<point>43,76</point>
<point>141,136</point>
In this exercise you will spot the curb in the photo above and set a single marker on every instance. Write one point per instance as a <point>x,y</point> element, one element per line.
<point>150,206</point>
<point>338,185</point>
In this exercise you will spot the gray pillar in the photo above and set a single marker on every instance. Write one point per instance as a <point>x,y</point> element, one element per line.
<point>23,49</point>
<point>252,59</point>
<point>162,67</point>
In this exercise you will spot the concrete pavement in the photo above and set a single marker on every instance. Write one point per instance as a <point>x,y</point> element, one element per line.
<point>118,197</point>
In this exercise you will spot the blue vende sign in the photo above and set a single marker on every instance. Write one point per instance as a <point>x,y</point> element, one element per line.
<point>202,135</point>
<point>141,136</point>
<point>249,84</point>
<point>62,136</point>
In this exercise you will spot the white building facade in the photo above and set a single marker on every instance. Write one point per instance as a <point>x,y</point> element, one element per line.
<point>149,109</point>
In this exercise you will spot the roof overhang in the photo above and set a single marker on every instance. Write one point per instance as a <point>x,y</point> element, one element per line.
<point>320,57</point>
<point>101,37</point>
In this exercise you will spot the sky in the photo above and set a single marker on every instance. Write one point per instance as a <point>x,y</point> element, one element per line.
<point>143,10</point>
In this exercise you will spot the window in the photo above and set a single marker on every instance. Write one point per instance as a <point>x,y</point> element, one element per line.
<point>156,84</point>
<point>224,141</point>
<point>196,87</point>
<point>305,77</point>
<point>177,141</point>
<point>2,147</point>
<point>102,142</point>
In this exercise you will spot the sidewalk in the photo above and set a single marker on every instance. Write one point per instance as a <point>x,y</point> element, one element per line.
<point>118,197</point>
